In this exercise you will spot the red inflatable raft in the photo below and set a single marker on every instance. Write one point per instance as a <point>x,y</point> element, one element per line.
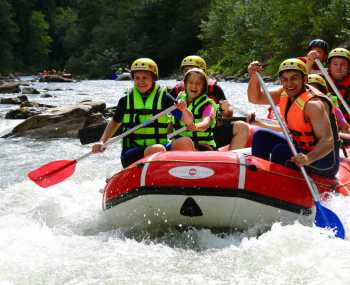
<point>216,190</point>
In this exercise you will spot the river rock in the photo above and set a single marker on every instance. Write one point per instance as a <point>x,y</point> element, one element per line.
<point>10,87</point>
<point>24,112</point>
<point>29,90</point>
<point>109,112</point>
<point>95,119</point>
<point>56,122</point>
<point>14,100</point>
<point>35,105</point>
<point>46,95</point>
<point>96,106</point>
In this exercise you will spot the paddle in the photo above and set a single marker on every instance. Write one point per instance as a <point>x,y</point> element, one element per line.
<point>93,133</point>
<point>331,83</point>
<point>56,171</point>
<point>246,114</point>
<point>324,218</point>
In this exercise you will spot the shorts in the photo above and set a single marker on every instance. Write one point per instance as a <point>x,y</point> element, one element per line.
<point>129,156</point>
<point>223,134</point>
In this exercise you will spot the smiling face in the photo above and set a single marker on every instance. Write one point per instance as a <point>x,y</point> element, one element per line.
<point>338,68</point>
<point>143,80</point>
<point>293,82</point>
<point>195,85</point>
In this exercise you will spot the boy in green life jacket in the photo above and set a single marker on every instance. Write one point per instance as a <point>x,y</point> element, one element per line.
<point>145,100</point>
<point>199,135</point>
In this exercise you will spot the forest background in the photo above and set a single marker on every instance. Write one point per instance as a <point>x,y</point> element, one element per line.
<point>90,38</point>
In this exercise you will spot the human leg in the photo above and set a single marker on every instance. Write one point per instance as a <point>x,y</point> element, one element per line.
<point>223,134</point>
<point>264,140</point>
<point>183,143</point>
<point>131,155</point>
<point>154,149</point>
<point>240,131</point>
<point>281,153</point>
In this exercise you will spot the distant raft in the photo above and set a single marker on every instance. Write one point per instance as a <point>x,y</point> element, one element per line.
<point>219,190</point>
<point>124,76</point>
<point>56,78</point>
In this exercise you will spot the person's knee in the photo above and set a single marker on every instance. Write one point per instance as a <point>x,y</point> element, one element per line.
<point>184,144</point>
<point>241,127</point>
<point>154,149</point>
<point>258,136</point>
<point>281,154</point>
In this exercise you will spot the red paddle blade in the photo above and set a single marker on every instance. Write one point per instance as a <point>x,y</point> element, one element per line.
<point>53,172</point>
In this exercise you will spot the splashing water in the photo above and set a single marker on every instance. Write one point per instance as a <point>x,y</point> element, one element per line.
<point>60,235</point>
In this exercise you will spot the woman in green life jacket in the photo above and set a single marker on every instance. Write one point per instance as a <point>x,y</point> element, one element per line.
<point>138,106</point>
<point>199,134</point>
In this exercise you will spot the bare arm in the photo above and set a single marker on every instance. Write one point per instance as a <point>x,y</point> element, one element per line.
<point>187,116</point>
<point>109,131</point>
<point>262,124</point>
<point>202,126</point>
<point>227,109</point>
<point>310,59</point>
<point>255,94</point>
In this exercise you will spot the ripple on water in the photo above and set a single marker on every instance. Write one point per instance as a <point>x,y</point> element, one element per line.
<point>60,235</point>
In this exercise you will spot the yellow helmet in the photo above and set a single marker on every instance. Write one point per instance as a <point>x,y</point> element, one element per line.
<point>145,64</point>
<point>199,71</point>
<point>317,79</point>
<point>195,61</point>
<point>293,64</point>
<point>341,52</point>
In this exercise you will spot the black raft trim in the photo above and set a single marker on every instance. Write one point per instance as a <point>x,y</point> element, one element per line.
<point>200,191</point>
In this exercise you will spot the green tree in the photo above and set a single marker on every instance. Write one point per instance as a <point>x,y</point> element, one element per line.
<point>243,30</point>
<point>64,33</point>
<point>40,40</point>
<point>8,36</point>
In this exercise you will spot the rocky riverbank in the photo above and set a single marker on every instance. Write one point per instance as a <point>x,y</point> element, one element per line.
<point>48,121</point>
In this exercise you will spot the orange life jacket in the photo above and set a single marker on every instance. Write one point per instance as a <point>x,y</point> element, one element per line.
<point>302,131</point>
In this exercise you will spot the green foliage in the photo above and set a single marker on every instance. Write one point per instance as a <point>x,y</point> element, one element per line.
<point>8,36</point>
<point>40,40</point>
<point>89,37</point>
<point>240,31</point>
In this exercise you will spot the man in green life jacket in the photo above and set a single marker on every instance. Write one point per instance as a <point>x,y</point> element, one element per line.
<point>139,105</point>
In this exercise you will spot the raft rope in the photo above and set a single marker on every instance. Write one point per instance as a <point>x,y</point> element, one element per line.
<point>253,167</point>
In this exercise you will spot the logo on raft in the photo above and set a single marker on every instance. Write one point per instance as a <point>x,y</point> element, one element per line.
<point>191,172</point>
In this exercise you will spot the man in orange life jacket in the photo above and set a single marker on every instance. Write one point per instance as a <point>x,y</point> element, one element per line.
<point>235,134</point>
<point>309,118</point>
<point>338,68</point>
<point>317,48</point>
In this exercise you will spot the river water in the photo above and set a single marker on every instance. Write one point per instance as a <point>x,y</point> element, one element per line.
<point>60,235</point>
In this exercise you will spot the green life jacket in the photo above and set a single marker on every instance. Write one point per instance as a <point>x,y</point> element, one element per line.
<point>139,110</point>
<point>196,107</point>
